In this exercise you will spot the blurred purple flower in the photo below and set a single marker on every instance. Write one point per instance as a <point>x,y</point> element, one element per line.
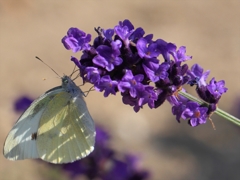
<point>22,103</point>
<point>104,163</point>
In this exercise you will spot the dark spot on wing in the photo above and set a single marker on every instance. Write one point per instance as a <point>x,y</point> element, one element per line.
<point>68,103</point>
<point>34,136</point>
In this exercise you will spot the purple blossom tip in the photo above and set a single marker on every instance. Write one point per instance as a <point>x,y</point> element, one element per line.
<point>196,75</point>
<point>76,40</point>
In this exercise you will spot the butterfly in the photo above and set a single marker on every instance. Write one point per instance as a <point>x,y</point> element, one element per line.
<point>56,128</point>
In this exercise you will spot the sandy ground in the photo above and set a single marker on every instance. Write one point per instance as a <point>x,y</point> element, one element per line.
<point>209,29</point>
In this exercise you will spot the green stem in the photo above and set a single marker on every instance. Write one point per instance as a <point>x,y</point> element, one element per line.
<point>218,111</point>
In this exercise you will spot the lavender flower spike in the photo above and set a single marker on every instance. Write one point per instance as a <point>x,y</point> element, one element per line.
<point>145,71</point>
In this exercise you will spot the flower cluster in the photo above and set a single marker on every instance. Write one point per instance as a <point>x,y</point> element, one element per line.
<point>143,70</point>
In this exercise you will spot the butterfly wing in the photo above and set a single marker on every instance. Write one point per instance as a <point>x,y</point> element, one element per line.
<point>20,142</point>
<point>66,130</point>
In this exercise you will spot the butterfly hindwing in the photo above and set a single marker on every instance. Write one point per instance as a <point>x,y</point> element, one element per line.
<point>66,130</point>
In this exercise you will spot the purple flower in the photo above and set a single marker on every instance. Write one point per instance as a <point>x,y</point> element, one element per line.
<point>137,34</point>
<point>147,96</point>
<point>76,40</point>
<point>179,111</point>
<point>77,63</point>
<point>118,171</point>
<point>179,55</point>
<point>127,99</point>
<point>116,45</point>
<point>176,100</point>
<point>108,34</point>
<point>197,76</point>
<point>155,72</point>
<point>179,105</point>
<point>164,48</point>
<point>22,103</point>
<point>107,85</point>
<point>130,83</point>
<point>196,114</point>
<point>217,88</point>
<point>124,31</point>
<point>147,50</point>
<point>212,92</point>
<point>102,137</point>
<point>191,110</point>
<point>93,74</point>
<point>107,57</point>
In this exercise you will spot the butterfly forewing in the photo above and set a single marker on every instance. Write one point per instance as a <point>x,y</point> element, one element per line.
<point>21,140</point>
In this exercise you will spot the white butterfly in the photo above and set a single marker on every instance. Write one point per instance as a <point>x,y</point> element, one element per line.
<point>56,128</point>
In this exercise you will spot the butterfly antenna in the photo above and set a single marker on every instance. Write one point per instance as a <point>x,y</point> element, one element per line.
<point>91,89</point>
<point>73,71</point>
<point>47,66</point>
<point>76,77</point>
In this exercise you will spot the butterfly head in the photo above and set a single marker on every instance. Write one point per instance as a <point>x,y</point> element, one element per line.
<point>70,86</point>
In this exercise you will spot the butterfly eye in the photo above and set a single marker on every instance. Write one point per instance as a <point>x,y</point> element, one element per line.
<point>65,81</point>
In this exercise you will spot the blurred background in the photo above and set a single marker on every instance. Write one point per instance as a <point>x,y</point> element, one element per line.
<point>168,150</point>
